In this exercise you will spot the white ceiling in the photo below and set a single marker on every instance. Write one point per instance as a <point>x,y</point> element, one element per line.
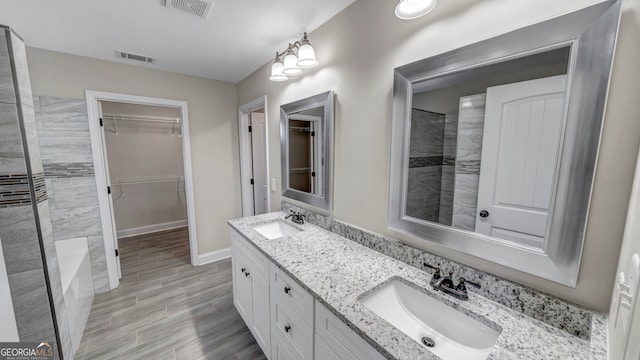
<point>238,37</point>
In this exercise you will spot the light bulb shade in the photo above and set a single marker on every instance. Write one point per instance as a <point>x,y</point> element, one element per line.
<point>411,9</point>
<point>290,64</point>
<point>306,56</point>
<point>276,72</point>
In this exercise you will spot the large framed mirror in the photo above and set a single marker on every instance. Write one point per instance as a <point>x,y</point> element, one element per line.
<point>494,145</point>
<point>306,135</point>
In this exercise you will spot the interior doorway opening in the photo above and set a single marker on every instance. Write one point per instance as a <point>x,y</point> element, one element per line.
<point>254,157</point>
<point>143,174</point>
<point>143,149</point>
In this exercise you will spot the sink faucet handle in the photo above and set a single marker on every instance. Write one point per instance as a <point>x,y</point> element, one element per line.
<point>436,270</point>
<point>462,284</point>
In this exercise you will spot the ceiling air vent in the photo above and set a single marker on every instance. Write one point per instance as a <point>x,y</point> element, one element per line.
<point>199,8</point>
<point>136,57</point>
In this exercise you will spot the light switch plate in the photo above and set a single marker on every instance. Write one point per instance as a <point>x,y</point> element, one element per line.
<point>273,184</point>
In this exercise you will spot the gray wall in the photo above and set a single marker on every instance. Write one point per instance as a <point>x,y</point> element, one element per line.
<point>360,71</point>
<point>213,119</point>
<point>65,145</point>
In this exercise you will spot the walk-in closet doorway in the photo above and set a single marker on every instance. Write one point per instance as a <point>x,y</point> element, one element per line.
<point>144,181</point>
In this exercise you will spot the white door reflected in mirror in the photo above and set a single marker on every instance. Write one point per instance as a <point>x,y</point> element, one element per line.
<point>521,138</point>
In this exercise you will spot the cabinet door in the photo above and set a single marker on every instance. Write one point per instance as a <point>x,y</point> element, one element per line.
<point>279,351</point>
<point>344,342</point>
<point>261,327</point>
<point>323,351</point>
<point>241,287</point>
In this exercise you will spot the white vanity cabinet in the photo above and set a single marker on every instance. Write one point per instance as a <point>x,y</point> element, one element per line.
<point>285,319</point>
<point>250,272</point>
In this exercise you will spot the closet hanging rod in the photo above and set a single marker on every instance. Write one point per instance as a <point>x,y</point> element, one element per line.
<point>119,183</point>
<point>147,118</point>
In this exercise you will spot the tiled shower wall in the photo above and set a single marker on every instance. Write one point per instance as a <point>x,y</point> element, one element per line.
<point>25,223</point>
<point>425,165</point>
<point>65,145</point>
<point>468,156</point>
<point>448,169</point>
<point>431,166</point>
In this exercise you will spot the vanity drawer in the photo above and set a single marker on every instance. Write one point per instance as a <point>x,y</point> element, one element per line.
<point>291,329</point>
<point>291,294</point>
<point>259,263</point>
<point>345,343</point>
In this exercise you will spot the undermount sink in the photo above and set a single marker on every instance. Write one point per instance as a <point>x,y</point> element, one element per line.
<point>276,229</point>
<point>445,331</point>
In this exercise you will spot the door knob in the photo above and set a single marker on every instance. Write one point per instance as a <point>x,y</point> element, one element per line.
<point>484,214</point>
<point>287,328</point>
<point>287,289</point>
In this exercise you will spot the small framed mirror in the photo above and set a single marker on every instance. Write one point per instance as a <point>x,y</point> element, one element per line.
<point>494,145</point>
<point>306,137</point>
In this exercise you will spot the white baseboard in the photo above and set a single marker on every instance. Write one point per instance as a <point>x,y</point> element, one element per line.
<point>213,256</point>
<point>147,229</point>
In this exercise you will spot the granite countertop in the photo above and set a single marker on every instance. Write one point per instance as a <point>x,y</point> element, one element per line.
<point>337,271</point>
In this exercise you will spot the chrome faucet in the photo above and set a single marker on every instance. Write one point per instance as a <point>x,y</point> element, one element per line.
<point>447,285</point>
<point>296,217</point>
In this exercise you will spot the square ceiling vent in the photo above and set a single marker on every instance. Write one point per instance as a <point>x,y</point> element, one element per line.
<point>199,8</point>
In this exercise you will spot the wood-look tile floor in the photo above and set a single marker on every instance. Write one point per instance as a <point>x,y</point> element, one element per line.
<point>165,308</point>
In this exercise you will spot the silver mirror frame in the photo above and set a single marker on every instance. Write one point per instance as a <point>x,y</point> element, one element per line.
<point>326,100</point>
<point>591,35</point>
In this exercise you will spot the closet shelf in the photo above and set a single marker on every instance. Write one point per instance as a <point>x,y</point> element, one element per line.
<point>147,180</point>
<point>299,129</point>
<point>299,170</point>
<point>173,121</point>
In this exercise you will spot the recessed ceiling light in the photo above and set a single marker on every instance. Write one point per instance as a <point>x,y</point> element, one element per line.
<point>411,9</point>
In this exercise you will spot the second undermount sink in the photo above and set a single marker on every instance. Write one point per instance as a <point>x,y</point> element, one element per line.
<point>276,229</point>
<point>445,331</point>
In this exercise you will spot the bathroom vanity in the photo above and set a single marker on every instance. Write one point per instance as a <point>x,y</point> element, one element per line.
<point>309,293</point>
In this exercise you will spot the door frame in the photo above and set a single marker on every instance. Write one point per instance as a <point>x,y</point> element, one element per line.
<point>99,150</point>
<point>244,112</point>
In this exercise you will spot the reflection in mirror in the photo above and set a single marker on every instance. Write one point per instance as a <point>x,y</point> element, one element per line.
<point>483,150</point>
<point>305,141</point>
<point>305,172</point>
<point>494,145</point>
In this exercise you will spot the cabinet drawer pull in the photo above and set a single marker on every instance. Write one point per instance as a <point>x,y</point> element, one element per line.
<point>287,289</point>
<point>287,328</point>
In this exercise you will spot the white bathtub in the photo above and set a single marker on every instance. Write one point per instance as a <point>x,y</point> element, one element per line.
<point>77,284</point>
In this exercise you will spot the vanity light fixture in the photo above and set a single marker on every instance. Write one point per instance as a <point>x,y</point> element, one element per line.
<point>299,55</point>
<point>412,9</point>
